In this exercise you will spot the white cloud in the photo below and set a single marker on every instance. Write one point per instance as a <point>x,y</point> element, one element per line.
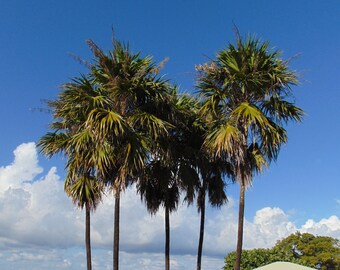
<point>38,221</point>
<point>35,211</point>
<point>24,167</point>
<point>269,225</point>
<point>329,227</point>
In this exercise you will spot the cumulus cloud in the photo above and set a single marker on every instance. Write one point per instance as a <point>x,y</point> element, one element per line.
<point>24,167</point>
<point>329,227</point>
<point>268,226</point>
<point>38,221</point>
<point>33,210</point>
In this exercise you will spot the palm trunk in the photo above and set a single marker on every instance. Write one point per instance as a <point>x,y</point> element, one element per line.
<point>116,231</point>
<point>201,237</point>
<point>240,227</point>
<point>167,238</point>
<point>88,236</point>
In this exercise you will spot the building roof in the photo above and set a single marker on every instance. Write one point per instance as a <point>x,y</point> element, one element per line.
<point>283,266</point>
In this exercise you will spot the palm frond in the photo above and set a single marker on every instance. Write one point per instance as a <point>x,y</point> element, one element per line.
<point>52,143</point>
<point>222,140</point>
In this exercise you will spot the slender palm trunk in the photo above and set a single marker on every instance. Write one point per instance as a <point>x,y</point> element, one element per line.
<point>201,237</point>
<point>88,236</point>
<point>167,238</point>
<point>116,231</point>
<point>240,227</point>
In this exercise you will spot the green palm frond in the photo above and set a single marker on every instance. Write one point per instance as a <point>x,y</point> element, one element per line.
<point>189,181</point>
<point>271,140</point>
<point>106,122</point>
<point>152,124</point>
<point>84,190</point>
<point>249,115</point>
<point>216,190</point>
<point>281,110</point>
<point>158,187</point>
<point>257,159</point>
<point>222,139</point>
<point>135,153</point>
<point>52,143</point>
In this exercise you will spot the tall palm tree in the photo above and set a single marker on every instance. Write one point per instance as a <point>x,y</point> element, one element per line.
<point>247,93</point>
<point>85,192</point>
<point>211,172</point>
<point>107,118</point>
<point>80,183</point>
<point>212,187</point>
<point>200,173</point>
<point>169,170</point>
<point>135,94</point>
<point>159,188</point>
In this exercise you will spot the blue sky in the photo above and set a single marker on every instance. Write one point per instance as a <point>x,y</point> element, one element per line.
<point>299,191</point>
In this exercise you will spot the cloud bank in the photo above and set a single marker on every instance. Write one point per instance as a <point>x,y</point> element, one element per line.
<point>40,228</point>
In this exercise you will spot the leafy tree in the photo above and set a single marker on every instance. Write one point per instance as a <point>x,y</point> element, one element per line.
<point>255,258</point>
<point>319,252</point>
<point>246,93</point>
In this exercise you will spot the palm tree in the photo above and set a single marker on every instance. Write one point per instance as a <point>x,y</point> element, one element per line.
<point>80,183</point>
<point>213,186</point>
<point>169,170</point>
<point>106,120</point>
<point>246,93</point>
<point>200,173</point>
<point>211,172</point>
<point>134,94</point>
<point>159,187</point>
<point>85,192</point>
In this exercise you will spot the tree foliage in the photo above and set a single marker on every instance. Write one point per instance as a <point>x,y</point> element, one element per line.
<point>254,258</point>
<point>321,252</point>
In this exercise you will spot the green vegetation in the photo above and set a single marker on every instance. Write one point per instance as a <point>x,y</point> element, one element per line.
<point>122,123</point>
<point>319,252</point>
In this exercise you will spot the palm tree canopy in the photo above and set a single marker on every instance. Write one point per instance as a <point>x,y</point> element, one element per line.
<point>167,171</point>
<point>135,97</point>
<point>84,191</point>
<point>70,138</point>
<point>246,93</point>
